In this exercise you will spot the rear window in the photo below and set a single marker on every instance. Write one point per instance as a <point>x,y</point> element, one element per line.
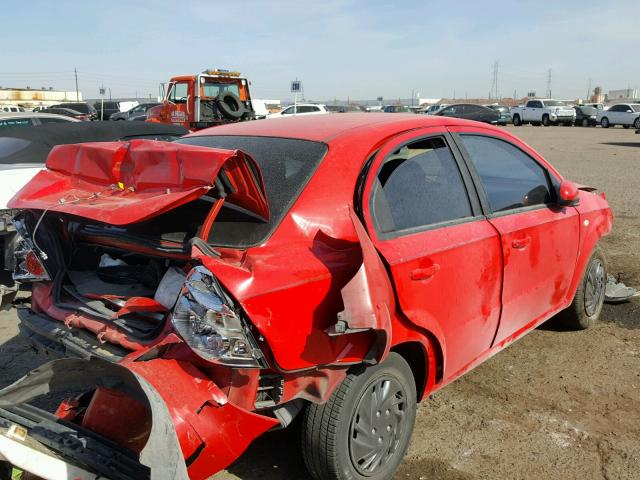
<point>286,164</point>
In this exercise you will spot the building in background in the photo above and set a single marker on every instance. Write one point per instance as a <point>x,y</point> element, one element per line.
<point>31,98</point>
<point>625,95</point>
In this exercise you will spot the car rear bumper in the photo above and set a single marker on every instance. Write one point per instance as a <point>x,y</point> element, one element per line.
<point>192,429</point>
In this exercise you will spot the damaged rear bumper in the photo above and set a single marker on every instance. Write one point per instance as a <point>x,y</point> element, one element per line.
<point>194,430</point>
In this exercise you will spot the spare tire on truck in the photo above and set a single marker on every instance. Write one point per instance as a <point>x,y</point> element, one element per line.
<point>230,105</point>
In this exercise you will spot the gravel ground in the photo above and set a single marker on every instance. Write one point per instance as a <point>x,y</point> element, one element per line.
<point>556,404</point>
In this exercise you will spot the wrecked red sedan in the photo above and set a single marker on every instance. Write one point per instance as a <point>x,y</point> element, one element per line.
<point>342,269</point>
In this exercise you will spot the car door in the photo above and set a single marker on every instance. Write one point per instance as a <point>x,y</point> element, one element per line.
<point>627,115</point>
<point>445,259</point>
<point>539,238</point>
<point>614,114</point>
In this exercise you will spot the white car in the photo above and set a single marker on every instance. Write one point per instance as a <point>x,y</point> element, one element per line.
<point>301,109</point>
<point>11,108</point>
<point>545,111</point>
<point>625,114</point>
<point>15,119</point>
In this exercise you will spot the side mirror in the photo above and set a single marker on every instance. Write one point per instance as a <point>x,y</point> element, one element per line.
<point>568,193</point>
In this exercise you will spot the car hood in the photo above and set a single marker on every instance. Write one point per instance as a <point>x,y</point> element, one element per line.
<point>127,182</point>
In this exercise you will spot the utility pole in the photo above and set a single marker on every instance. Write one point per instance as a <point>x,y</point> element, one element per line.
<point>75,70</point>
<point>549,84</point>
<point>494,80</point>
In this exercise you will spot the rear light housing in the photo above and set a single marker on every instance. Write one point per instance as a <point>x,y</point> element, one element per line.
<point>29,259</point>
<point>208,321</point>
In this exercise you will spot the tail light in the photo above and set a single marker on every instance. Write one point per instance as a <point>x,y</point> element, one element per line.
<point>208,322</point>
<point>29,259</point>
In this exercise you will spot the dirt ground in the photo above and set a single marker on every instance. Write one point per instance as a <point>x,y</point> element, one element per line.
<point>556,404</point>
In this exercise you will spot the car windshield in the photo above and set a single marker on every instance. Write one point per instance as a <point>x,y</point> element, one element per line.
<point>286,164</point>
<point>554,103</point>
<point>636,107</point>
<point>210,89</point>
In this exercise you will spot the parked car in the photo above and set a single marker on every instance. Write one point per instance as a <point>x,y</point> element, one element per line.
<point>470,111</point>
<point>396,109</point>
<point>625,114</point>
<point>245,283</point>
<point>504,111</point>
<point>67,112</point>
<point>11,108</point>
<point>543,111</point>
<point>23,152</point>
<point>139,112</point>
<point>82,107</point>
<point>434,108</point>
<point>300,109</point>
<point>104,110</point>
<point>32,119</point>
<point>345,108</point>
<point>586,116</point>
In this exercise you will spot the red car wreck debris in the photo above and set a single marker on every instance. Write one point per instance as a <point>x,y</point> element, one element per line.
<point>203,292</point>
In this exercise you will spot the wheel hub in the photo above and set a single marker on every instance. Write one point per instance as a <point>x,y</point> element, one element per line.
<point>594,287</point>
<point>378,425</point>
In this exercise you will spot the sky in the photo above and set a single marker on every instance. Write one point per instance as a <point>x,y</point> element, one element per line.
<point>344,49</point>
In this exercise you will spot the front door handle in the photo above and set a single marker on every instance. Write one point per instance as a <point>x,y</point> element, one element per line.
<point>425,273</point>
<point>521,243</point>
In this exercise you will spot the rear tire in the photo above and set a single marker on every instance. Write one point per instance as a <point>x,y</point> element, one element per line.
<point>363,430</point>
<point>516,121</point>
<point>604,123</point>
<point>585,309</point>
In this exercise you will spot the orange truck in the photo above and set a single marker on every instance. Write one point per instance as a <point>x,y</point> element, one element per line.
<point>208,99</point>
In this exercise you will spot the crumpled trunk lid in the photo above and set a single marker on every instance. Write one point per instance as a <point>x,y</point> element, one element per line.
<point>121,183</point>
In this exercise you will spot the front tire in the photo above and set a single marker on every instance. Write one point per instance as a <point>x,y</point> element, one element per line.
<point>363,430</point>
<point>585,309</point>
<point>636,123</point>
<point>585,122</point>
<point>604,123</point>
<point>545,120</point>
<point>516,121</point>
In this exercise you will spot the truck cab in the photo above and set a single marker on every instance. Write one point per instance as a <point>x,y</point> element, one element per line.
<point>211,98</point>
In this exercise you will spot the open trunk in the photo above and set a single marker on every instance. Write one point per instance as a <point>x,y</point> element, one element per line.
<point>108,230</point>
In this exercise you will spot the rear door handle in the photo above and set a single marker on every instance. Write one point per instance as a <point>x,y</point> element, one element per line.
<point>425,273</point>
<point>521,243</point>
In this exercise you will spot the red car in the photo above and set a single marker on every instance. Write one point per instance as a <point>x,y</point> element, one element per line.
<point>339,269</point>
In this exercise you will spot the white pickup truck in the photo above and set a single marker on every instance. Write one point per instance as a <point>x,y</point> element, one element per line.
<point>543,111</point>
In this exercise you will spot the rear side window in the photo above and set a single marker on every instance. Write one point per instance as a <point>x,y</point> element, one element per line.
<point>419,185</point>
<point>511,178</point>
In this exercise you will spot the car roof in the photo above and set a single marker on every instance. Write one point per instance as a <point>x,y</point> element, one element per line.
<point>10,115</point>
<point>320,128</point>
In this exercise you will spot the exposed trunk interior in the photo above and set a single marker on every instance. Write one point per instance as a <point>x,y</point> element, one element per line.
<point>126,277</point>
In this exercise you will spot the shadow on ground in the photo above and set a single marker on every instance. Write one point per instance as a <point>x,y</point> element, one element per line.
<point>623,144</point>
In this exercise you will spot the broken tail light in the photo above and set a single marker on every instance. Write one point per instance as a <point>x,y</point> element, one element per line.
<point>28,258</point>
<point>205,317</point>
